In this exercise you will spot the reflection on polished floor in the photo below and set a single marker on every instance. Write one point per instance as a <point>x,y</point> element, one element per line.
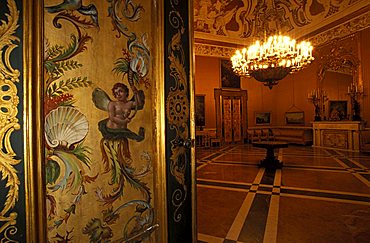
<point>319,195</point>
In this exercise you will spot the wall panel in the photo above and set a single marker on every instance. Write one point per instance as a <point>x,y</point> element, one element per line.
<point>99,110</point>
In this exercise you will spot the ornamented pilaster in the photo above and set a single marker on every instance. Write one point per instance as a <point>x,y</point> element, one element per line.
<point>8,123</point>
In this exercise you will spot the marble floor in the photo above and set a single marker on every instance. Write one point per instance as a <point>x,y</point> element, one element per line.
<point>319,195</point>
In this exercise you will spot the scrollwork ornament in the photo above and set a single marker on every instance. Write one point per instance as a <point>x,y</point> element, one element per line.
<point>178,198</point>
<point>176,20</point>
<point>127,10</point>
<point>10,231</point>
<point>8,121</point>
<point>177,110</point>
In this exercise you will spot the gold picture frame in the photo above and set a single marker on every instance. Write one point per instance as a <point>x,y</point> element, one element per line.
<point>229,80</point>
<point>294,118</point>
<point>262,118</point>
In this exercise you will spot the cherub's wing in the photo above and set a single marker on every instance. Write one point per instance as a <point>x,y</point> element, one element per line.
<point>100,99</point>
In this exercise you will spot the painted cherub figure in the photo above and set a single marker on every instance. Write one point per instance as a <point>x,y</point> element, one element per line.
<point>114,145</point>
<point>119,111</point>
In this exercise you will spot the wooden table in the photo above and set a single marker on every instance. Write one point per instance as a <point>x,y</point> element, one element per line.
<point>270,161</point>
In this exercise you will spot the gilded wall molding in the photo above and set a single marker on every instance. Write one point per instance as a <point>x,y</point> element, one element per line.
<point>8,123</point>
<point>352,26</point>
<point>213,50</point>
<point>345,29</point>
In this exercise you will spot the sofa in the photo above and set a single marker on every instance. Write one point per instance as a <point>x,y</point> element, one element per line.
<point>289,134</point>
<point>293,135</point>
<point>365,140</point>
<point>262,134</point>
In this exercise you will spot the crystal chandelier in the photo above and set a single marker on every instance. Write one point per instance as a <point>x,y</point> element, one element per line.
<point>272,60</point>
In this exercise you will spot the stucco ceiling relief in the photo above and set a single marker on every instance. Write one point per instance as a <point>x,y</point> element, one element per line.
<point>340,31</point>
<point>242,21</point>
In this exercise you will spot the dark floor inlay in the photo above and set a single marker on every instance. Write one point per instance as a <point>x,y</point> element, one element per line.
<point>327,195</point>
<point>213,156</point>
<point>333,152</point>
<point>229,241</point>
<point>314,167</point>
<point>199,164</point>
<point>268,177</point>
<point>348,163</point>
<point>265,189</point>
<point>234,163</point>
<point>223,184</point>
<point>254,226</point>
<point>366,176</point>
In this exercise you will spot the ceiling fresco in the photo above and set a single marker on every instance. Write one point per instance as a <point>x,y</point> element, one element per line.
<point>243,21</point>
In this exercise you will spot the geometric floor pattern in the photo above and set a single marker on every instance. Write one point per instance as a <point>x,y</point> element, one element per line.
<point>319,195</point>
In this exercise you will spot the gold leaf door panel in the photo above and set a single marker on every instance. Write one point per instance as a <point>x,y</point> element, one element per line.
<point>227,120</point>
<point>236,119</point>
<point>101,166</point>
<point>231,114</point>
<point>232,119</point>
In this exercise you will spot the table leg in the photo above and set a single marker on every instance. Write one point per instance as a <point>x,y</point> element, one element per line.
<point>271,161</point>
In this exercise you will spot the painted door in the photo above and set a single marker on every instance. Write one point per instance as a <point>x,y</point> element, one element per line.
<point>231,114</point>
<point>232,119</point>
<point>103,105</point>
<point>114,72</point>
<point>179,123</point>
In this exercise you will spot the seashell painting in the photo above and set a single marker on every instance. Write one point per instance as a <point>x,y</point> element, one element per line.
<point>65,126</point>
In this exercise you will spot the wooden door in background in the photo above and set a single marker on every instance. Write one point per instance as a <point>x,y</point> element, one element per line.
<point>231,115</point>
<point>231,119</point>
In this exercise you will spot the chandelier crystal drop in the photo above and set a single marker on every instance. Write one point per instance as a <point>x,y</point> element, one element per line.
<point>272,60</point>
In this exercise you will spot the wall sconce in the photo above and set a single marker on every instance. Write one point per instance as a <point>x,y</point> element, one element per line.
<point>354,93</point>
<point>317,97</point>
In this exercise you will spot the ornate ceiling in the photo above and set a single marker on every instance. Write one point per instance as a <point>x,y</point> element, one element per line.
<point>222,25</point>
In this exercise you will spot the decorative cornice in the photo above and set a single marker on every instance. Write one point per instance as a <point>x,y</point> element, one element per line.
<point>345,29</point>
<point>240,21</point>
<point>352,26</point>
<point>213,50</point>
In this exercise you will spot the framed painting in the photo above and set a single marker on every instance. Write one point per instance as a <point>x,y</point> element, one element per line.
<point>338,110</point>
<point>229,80</point>
<point>263,118</point>
<point>200,120</point>
<point>294,118</point>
